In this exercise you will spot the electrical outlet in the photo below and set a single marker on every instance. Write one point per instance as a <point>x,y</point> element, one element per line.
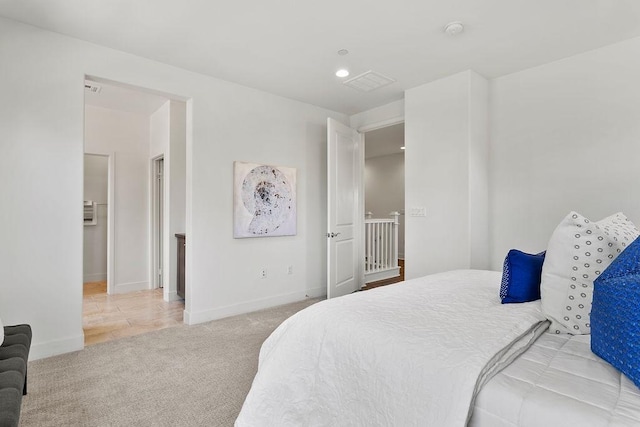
<point>263,273</point>
<point>290,270</point>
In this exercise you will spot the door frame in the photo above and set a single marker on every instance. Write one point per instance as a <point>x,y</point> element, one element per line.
<point>157,227</point>
<point>111,220</point>
<point>381,124</point>
<point>363,129</point>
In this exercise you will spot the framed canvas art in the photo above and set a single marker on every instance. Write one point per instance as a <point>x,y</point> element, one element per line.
<point>264,200</point>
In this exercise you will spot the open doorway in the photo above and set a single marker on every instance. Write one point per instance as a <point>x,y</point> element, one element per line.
<point>142,133</point>
<point>97,223</point>
<point>384,205</point>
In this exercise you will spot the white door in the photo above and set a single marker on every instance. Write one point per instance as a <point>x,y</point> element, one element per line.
<point>345,265</point>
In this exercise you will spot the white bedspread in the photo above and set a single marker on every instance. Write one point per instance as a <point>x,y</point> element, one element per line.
<point>558,382</point>
<point>402,355</point>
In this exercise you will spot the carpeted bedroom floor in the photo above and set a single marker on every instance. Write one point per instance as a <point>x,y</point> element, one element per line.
<point>182,376</point>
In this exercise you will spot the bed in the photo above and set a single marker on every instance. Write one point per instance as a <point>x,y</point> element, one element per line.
<point>434,351</point>
<point>558,382</point>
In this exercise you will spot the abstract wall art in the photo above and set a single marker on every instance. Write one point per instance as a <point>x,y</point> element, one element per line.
<point>264,200</point>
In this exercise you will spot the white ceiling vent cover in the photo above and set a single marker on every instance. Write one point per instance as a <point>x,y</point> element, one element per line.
<point>366,82</point>
<point>92,87</point>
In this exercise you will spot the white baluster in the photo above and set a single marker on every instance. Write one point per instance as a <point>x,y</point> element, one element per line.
<point>396,223</point>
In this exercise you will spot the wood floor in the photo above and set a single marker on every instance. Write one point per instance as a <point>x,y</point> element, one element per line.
<point>108,317</point>
<point>388,281</point>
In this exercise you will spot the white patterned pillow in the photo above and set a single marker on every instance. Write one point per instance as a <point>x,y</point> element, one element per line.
<point>579,250</point>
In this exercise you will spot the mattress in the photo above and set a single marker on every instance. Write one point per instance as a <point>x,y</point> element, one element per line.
<point>558,382</point>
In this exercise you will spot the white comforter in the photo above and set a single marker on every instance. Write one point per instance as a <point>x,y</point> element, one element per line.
<point>558,382</point>
<point>403,355</point>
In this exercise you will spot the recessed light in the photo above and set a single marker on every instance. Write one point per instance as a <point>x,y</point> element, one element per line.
<point>343,52</point>
<point>342,72</point>
<point>402,148</point>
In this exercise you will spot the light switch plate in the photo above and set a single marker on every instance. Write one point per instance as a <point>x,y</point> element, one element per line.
<point>418,211</point>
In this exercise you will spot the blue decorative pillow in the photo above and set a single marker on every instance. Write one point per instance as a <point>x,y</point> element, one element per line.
<point>615,313</point>
<point>521,277</point>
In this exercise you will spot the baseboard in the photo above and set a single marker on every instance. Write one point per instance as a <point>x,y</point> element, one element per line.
<point>316,292</point>
<point>191,318</point>
<point>40,350</point>
<point>96,277</point>
<point>123,288</point>
<point>172,296</point>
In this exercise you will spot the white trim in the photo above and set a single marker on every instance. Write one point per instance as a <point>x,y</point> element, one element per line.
<point>361,205</point>
<point>320,292</point>
<point>381,124</point>
<point>123,288</point>
<point>250,306</point>
<point>171,296</point>
<point>111,225</point>
<point>384,113</point>
<point>40,350</point>
<point>95,277</point>
<point>188,218</point>
<point>155,261</point>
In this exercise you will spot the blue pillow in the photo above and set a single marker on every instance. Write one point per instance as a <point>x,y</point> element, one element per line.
<point>521,277</point>
<point>615,313</point>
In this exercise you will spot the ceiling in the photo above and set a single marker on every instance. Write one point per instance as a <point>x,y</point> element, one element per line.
<point>123,99</point>
<point>289,47</point>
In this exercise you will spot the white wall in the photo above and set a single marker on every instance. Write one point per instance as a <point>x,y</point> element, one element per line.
<point>159,128</point>
<point>96,173</point>
<point>444,168</point>
<point>222,272</point>
<point>478,145</point>
<point>168,138</point>
<point>385,115</point>
<point>565,136</point>
<point>384,189</point>
<point>126,135</point>
<point>159,131</point>
<point>177,191</point>
<point>41,157</point>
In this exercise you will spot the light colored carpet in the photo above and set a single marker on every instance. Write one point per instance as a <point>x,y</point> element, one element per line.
<point>182,376</point>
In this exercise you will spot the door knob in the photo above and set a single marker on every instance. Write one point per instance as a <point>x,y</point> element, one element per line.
<point>332,234</point>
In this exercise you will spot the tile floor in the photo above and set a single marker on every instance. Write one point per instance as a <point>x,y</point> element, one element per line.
<point>108,317</point>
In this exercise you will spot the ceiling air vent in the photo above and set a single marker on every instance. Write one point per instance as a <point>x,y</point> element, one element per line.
<point>366,82</point>
<point>92,87</point>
